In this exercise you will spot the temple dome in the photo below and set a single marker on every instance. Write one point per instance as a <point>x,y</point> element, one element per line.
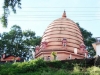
<point>64,37</point>
<point>63,28</point>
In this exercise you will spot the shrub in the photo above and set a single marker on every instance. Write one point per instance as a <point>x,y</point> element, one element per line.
<point>23,67</point>
<point>76,68</point>
<point>61,72</point>
<point>55,64</point>
<point>94,70</point>
<point>40,67</point>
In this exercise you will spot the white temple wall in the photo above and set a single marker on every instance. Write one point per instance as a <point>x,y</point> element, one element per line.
<point>98,49</point>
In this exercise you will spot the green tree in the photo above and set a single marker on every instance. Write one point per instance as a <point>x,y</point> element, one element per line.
<point>88,40</point>
<point>15,42</point>
<point>1,47</point>
<point>12,41</point>
<point>5,42</point>
<point>6,6</point>
<point>37,40</point>
<point>30,39</point>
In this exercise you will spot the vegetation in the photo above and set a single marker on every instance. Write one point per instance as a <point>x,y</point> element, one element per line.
<point>40,67</point>
<point>17,42</point>
<point>6,6</point>
<point>54,54</point>
<point>88,40</point>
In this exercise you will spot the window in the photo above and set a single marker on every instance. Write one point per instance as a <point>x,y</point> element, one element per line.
<point>64,41</point>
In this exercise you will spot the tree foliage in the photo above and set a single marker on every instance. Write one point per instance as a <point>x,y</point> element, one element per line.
<point>88,40</point>
<point>17,42</point>
<point>6,7</point>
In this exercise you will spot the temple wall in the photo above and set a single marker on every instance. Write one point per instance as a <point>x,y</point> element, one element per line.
<point>98,49</point>
<point>60,56</point>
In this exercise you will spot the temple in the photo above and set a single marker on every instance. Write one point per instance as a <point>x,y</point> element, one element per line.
<point>62,37</point>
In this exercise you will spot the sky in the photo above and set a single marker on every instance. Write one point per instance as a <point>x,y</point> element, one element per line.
<point>36,15</point>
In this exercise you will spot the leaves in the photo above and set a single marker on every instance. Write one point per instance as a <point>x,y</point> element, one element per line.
<point>15,42</point>
<point>9,4</point>
<point>88,40</point>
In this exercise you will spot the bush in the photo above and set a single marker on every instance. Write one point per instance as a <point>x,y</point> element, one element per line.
<point>62,72</point>
<point>55,64</point>
<point>40,67</point>
<point>94,70</point>
<point>23,67</point>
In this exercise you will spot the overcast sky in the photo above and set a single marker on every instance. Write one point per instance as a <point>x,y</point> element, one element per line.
<point>36,15</point>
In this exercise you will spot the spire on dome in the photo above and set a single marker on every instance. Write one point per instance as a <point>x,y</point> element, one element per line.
<point>64,14</point>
